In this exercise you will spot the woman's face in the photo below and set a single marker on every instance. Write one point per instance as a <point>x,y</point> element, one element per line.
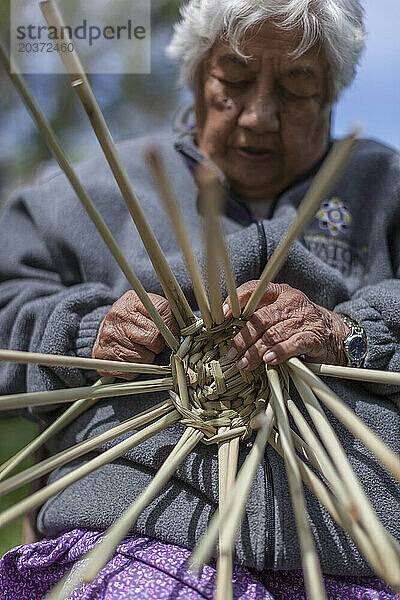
<point>263,121</point>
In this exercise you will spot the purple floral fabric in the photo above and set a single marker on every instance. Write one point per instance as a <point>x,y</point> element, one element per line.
<point>145,569</point>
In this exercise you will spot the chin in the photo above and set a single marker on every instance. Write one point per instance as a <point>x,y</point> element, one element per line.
<point>253,191</point>
<point>255,188</point>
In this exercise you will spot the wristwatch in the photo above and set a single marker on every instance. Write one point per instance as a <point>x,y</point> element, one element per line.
<point>355,345</point>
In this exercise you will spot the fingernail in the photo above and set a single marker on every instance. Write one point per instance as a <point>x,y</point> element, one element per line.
<point>243,363</point>
<point>232,354</point>
<point>225,309</point>
<point>269,357</point>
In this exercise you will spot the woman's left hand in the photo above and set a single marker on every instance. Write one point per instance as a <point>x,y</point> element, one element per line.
<point>286,324</point>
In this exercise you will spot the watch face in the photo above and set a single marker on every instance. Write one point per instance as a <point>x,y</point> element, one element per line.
<point>357,348</point>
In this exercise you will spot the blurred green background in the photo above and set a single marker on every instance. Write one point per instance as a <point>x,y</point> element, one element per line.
<point>14,435</point>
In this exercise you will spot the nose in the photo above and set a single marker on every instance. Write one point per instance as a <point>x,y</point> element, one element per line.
<point>260,112</point>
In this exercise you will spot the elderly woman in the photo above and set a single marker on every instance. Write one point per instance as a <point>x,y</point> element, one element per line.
<point>265,76</point>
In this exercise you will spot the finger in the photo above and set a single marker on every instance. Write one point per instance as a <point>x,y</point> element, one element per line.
<point>141,330</point>
<point>276,334</point>
<point>295,346</point>
<point>135,354</point>
<point>129,327</point>
<point>246,290</point>
<point>118,375</point>
<point>260,323</point>
<point>162,306</point>
<point>227,308</point>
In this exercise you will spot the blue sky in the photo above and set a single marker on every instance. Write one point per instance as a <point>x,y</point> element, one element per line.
<point>374,97</point>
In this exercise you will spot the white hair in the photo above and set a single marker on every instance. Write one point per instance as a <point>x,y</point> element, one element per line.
<point>336,26</point>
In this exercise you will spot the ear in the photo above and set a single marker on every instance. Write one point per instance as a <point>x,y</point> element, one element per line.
<point>199,100</point>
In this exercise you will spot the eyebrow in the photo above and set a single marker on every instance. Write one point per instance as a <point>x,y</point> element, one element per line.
<point>233,58</point>
<point>295,71</point>
<point>298,71</point>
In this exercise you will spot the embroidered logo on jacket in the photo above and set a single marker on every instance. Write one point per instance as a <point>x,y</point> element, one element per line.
<point>334,216</point>
<point>341,255</point>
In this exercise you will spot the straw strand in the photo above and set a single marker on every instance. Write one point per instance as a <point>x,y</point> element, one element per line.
<point>383,542</point>
<point>224,589</point>
<point>210,196</point>
<point>55,147</point>
<point>234,510</point>
<point>55,360</point>
<point>25,506</point>
<point>167,195</point>
<point>120,528</point>
<point>72,413</point>
<point>335,509</point>
<point>179,305</point>
<point>311,568</point>
<point>366,375</point>
<point>342,412</point>
<point>323,183</point>
<point>66,395</point>
<point>62,458</point>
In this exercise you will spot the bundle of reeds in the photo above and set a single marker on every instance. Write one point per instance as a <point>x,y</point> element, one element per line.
<point>218,403</point>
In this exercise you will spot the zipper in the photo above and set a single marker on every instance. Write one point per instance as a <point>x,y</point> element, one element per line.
<point>262,245</point>
<point>270,529</point>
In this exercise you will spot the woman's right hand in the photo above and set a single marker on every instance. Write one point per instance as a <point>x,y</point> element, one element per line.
<point>128,334</point>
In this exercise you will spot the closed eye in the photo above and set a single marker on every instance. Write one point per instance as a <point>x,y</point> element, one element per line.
<point>235,84</point>
<point>291,95</point>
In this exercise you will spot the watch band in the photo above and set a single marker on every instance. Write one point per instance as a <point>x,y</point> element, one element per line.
<point>355,345</point>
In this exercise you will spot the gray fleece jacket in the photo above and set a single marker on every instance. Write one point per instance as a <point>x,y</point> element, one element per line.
<point>58,281</point>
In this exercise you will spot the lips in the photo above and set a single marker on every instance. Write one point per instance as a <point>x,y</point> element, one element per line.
<point>254,153</point>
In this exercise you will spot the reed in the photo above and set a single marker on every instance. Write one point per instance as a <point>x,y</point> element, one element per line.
<point>72,413</point>
<point>224,590</point>
<point>55,147</point>
<point>348,518</point>
<point>223,460</point>
<point>74,578</point>
<point>335,509</point>
<point>367,375</point>
<point>222,252</point>
<point>228,271</point>
<point>73,362</point>
<point>14,401</point>
<point>70,454</point>
<point>342,412</point>
<point>179,305</point>
<point>323,183</point>
<point>181,379</point>
<point>102,553</point>
<point>65,587</point>
<point>170,203</point>
<point>210,197</point>
<point>41,496</point>
<point>383,542</point>
<point>322,461</point>
<point>310,479</point>
<point>234,444</point>
<point>233,513</point>
<point>313,580</point>
<point>235,433</point>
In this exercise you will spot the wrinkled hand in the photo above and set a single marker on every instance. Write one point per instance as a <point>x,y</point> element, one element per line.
<point>286,324</point>
<point>128,334</point>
